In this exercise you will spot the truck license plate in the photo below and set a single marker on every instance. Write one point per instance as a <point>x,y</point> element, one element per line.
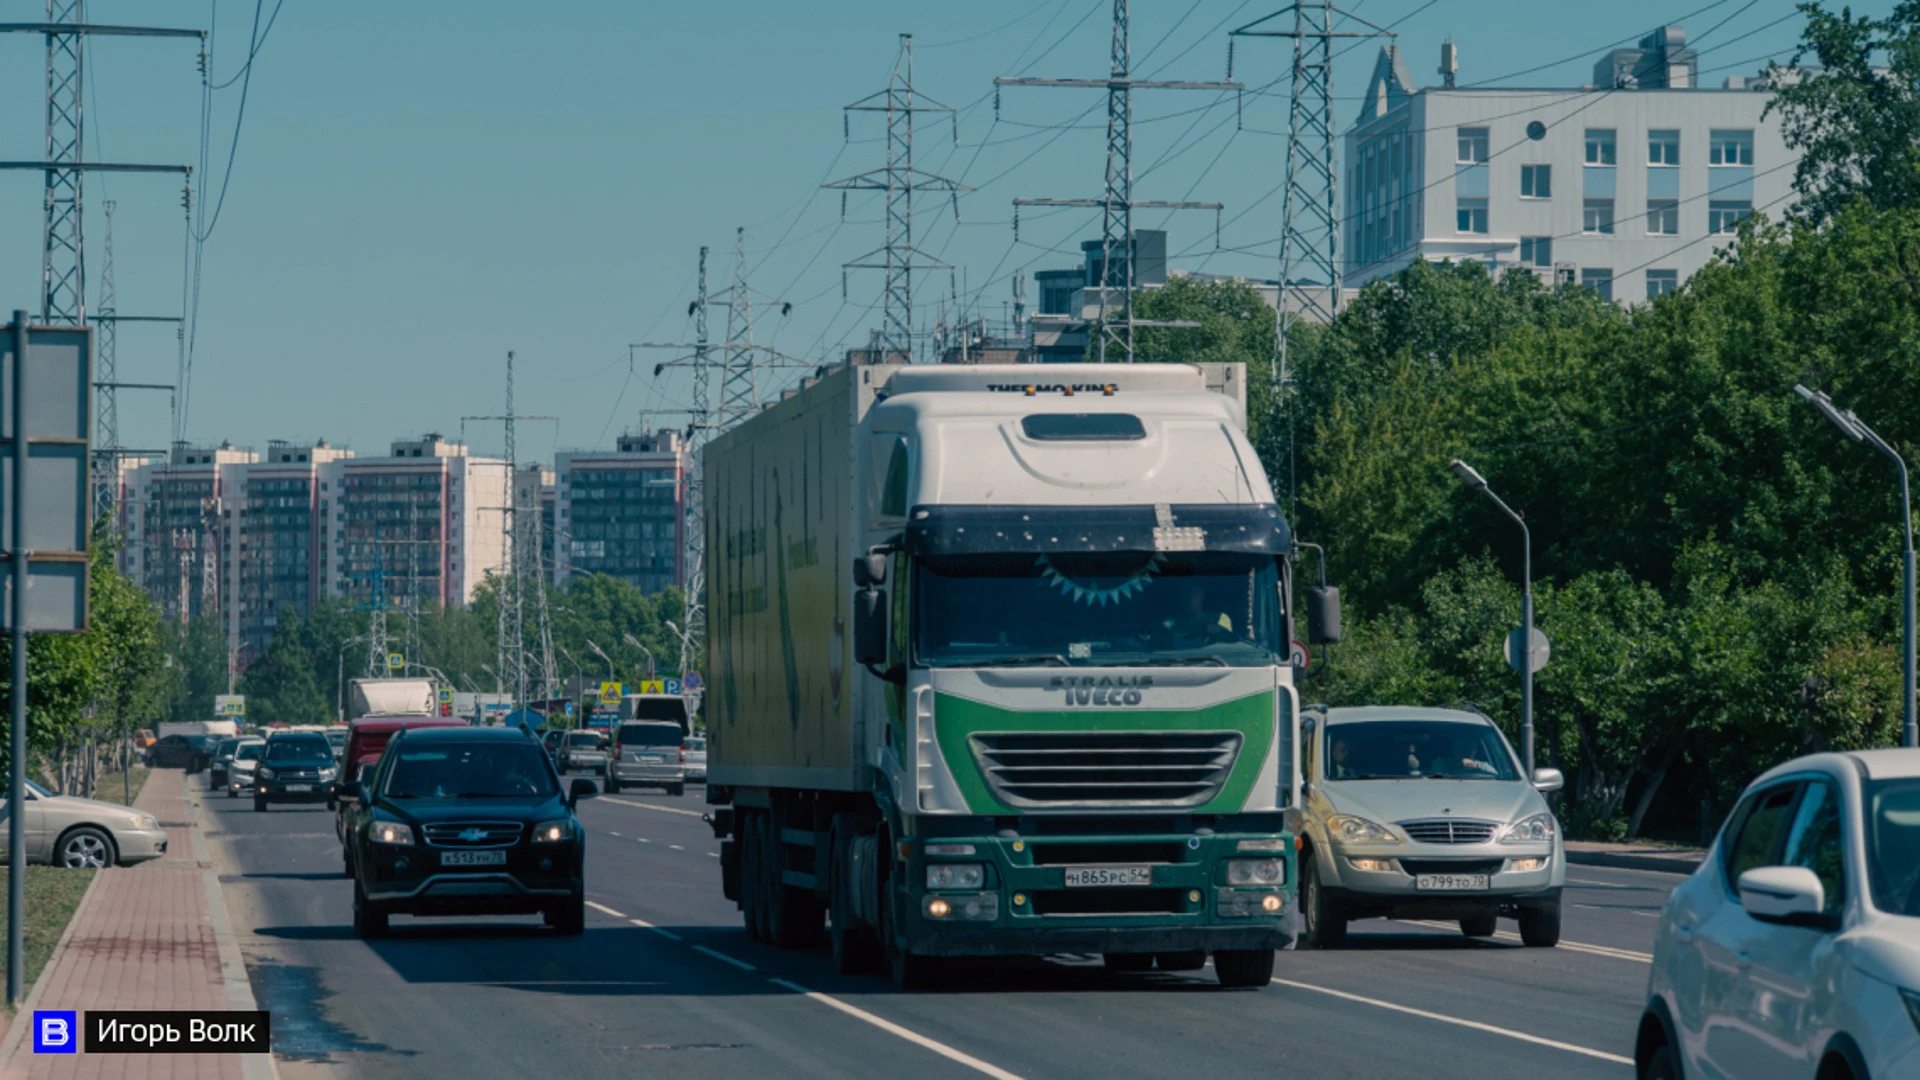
<point>1108,876</point>
<point>473,858</point>
<point>1450,882</point>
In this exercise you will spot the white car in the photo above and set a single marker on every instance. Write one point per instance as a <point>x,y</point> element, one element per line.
<point>1794,951</point>
<point>246,758</point>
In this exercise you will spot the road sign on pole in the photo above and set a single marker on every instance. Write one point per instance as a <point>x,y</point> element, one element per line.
<point>691,680</point>
<point>234,705</point>
<point>396,661</point>
<point>611,692</point>
<point>1537,656</point>
<point>46,423</point>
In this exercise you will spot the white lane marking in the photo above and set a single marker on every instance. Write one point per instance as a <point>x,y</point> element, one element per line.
<point>604,908</point>
<point>610,832</point>
<point>643,839</point>
<point>1575,946</point>
<point>892,1028</point>
<point>668,934</point>
<point>1629,911</point>
<point>1474,1024</point>
<point>650,806</point>
<point>715,854</point>
<point>676,847</point>
<point>741,964</point>
<point>1583,883</point>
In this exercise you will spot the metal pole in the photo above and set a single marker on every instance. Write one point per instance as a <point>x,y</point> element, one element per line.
<point>17,765</point>
<point>1910,734</point>
<point>1526,653</point>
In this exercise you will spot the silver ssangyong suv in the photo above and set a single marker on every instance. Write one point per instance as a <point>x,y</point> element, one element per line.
<point>1425,813</point>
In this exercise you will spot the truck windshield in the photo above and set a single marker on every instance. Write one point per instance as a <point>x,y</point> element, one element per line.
<point>1097,610</point>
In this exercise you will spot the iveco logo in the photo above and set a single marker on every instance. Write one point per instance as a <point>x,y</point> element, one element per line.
<point>473,836</point>
<point>1108,690</point>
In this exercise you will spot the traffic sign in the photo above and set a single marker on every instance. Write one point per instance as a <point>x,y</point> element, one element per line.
<point>1299,657</point>
<point>653,686</point>
<point>230,705</point>
<point>691,680</point>
<point>1537,656</point>
<point>446,695</point>
<point>673,686</point>
<point>55,409</point>
<point>611,691</point>
<point>396,661</point>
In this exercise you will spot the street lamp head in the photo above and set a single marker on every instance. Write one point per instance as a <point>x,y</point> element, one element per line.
<point>1467,475</point>
<point>1843,419</point>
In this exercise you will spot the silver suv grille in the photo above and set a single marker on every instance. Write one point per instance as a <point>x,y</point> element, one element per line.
<point>1106,769</point>
<point>474,834</point>
<point>1449,831</point>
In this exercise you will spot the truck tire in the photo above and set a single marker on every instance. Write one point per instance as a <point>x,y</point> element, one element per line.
<point>1326,924</point>
<point>749,828</point>
<point>1540,926</point>
<point>855,950</point>
<point>794,914</point>
<point>908,970</point>
<point>1243,967</point>
<point>1187,960</point>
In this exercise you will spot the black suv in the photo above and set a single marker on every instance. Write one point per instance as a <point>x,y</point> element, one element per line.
<point>295,766</point>
<point>465,821</point>
<point>191,752</point>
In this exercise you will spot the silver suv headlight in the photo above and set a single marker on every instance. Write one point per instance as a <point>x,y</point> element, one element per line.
<point>1358,830</point>
<point>1530,830</point>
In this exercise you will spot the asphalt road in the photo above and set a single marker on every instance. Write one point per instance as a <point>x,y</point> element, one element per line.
<point>665,981</point>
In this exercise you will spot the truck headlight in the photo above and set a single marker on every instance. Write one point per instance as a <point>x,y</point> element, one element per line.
<point>1256,871</point>
<point>1358,830</point>
<point>1529,830</point>
<point>956,875</point>
<point>391,832</point>
<point>552,832</point>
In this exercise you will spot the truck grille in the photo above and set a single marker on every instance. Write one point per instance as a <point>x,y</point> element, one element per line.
<point>1449,831</point>
<point>1107,901</point>
<point>1106,769</point>
<point>461,834</point>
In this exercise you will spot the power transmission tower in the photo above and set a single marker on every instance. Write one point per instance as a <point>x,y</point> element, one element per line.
<point>899,179</point>
<point>739,368</point>
<point>106,455</point>
<point>511,647</point>
<point>1310,228</point>
<point>1118,204</point>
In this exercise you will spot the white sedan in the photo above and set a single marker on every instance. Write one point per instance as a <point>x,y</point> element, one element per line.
<point>1794,951</point>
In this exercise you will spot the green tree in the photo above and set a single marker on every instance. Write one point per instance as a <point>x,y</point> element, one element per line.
<point>1856,117</point>
<point>281,687</point>
<point>1236,327</point>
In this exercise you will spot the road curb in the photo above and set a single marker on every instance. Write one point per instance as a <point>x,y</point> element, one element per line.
<point>1678,863</point>
<point>23,1020</point>
<point>233,967</point>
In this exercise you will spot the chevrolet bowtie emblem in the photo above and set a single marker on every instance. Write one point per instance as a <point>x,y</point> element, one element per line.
<point>472,835</point>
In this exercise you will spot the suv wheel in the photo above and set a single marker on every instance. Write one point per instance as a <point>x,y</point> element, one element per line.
<point>367,923</point>
<point>570,918</point>
<point>1484,924</point>
<point>1662,1066</point>
<point>613,782</point>
<point>676,790</point>
<point>1540,926</point>
<point>1326,925</point>
<point>259,804</point>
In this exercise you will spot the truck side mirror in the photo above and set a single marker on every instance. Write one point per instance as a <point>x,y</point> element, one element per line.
<point>869,570</point>
<point>1323,615</point>
<point>869,626</point>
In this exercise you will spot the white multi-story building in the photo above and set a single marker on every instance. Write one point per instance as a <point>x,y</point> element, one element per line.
<point>1628,185</point>
<point>424,525</point>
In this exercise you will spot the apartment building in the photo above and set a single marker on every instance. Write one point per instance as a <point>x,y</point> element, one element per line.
<point>275,511</point>
<point>176,518</point>
<point>623,512</point>
<point>422,526</point>
<point>1627,185</point>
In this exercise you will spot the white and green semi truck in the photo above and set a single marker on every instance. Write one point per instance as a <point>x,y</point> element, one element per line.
<point>1002,665</point>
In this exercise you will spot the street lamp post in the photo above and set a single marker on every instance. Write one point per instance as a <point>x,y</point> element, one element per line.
<point>602,655</point>
<point>1478,483</point>
<point>652,667</point>
<point>1853,428</point>
<point>340,677</point>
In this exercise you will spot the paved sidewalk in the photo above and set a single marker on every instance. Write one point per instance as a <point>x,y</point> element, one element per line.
<point>1666,859</point>
<point>152,936</point>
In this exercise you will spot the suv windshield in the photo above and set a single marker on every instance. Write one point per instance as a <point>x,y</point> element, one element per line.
<point>1102,609</point>
<point>299,750</point>
<point>650,735</point>
<point>248,751</point>
<point>225,749</point>
<point>583,738</point>
<point>492,770</point>
<point>1893,845</point>
<point>1416,749</point>
<point>696,744</point>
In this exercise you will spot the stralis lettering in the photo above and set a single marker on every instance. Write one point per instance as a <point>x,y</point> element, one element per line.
<point>1105,690</point>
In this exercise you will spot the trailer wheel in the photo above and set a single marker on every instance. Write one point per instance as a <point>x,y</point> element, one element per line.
<point>749,830</point>
<point>793,914</point>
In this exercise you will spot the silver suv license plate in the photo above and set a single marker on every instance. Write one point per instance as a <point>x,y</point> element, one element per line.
<point>1108,876</point>
<point>1450,882</point>
<point>473,858</point>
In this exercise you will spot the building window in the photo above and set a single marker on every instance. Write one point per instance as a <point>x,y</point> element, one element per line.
<point>1473,146</point>
<point>1599,280</point>
<point>1536,181</point>
<point>1536,250</point>
<point>1730,148</point>
<point>1725,215</point>
<point>1663,217</point>
<point>1600,146</point>
<point>1598,217</point>
<point>1662,282</point>
<point>1663,147</point>
<point>1470,216</point>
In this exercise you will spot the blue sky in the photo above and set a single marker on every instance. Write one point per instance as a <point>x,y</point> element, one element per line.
<point>421,186</point>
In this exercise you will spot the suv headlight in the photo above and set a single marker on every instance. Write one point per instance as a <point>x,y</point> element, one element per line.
<point>1357,830</point>
<point>329,773</point>
<point>956,875</point>
<point>264,773</point>
<point>1529,830</point>
<point>553,832</point>
<point>391,832</point>
<point>1256,871</point>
